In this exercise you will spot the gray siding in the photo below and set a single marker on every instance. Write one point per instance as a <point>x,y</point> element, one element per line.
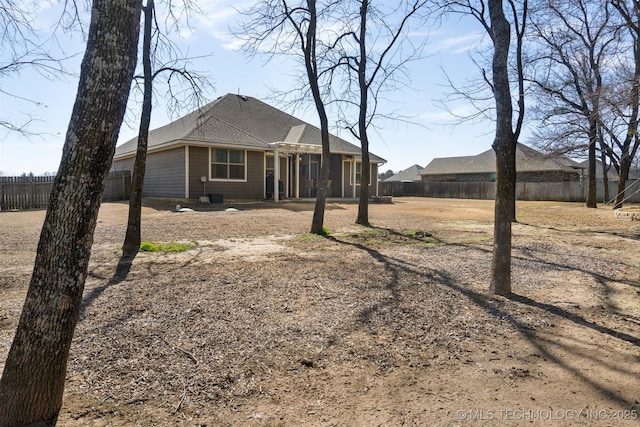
<point>123,165</point>
<point>335,175</point>
<point>373,188</point>
<point>348,187</point>
<point>252,189</point>
<point>198,166</point>
<point>165,174</point>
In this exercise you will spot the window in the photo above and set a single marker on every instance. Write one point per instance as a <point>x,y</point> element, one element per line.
<point>313,170</point>
<point>269,166</point>
<point>228,164</point>
<point>359,174</point>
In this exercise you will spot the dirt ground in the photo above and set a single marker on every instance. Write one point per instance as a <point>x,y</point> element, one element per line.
<point>262,324</point>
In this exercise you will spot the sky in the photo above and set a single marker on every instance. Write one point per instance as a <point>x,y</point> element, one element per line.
<point>426,131</point>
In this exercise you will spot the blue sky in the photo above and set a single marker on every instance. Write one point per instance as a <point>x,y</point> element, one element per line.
<point>48,100</point>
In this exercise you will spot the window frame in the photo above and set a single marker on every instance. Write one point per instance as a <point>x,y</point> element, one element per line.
<point>358,174</point>
<point>228,164</point>
<point>268,169</point>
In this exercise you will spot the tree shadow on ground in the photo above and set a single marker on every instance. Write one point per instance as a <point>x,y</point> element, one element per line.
<point>494,306</point>
<point>629,236</point>
<point>577,319</point>
<point>122,271</point>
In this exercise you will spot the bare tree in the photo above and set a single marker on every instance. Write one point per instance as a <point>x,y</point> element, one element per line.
<point>280,27</point>
<point>22,47</point>
<point>195,81</point>
<point>480,92</point>
<point>504,147</point>
<point>491,15</point>
<point>629,105</point>
<point>32,383</point>
<point>576,39</point>
<point>372,52</point>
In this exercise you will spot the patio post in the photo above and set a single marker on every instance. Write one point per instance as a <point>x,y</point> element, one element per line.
<point>276,174</point>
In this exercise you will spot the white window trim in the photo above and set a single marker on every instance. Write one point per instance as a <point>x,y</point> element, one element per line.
<point>246,160</point>
<point>352,174</point>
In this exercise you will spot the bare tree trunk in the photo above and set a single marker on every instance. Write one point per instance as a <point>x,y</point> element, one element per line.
<point>365,172</point>
<point>591,189</point>
<point>513,179</point>
<point>365,177</point>
<point>32,383</point>
<point>623,176</point>
<point>605,172</point>
<point>317,223</point>
<point>133,237</point>
<point>504,147</point>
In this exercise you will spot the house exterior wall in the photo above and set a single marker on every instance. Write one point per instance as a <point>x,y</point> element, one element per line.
<point>164,175</point>
<point>347,185</point>
<point>373,188</point>
<point>123,165</point>
<point>308,187</point>
<point>251,189</point>
<point>335,175</point>
<point>167,171</point>
<point>558,176</point>
<point>285,177</point>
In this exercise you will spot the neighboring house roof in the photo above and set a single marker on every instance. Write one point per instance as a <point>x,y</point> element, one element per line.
<point>410,174</point>
<point>240,121</point>
<point>527,160</point>
<point>612,174</point>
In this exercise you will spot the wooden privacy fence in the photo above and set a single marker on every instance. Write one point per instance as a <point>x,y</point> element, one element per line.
<point>571,191</point>
<point>32,192</point>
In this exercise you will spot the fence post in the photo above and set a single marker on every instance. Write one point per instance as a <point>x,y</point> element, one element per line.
<point>32,195</point>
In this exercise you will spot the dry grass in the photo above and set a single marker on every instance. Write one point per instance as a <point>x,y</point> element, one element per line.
<point>263,324</point>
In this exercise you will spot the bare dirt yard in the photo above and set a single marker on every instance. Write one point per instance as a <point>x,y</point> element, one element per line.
<point>263,324</point>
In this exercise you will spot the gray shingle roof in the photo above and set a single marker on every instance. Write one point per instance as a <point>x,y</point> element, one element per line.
<point>412,173</point>
<point>527,160</point>
<point>612,174</point>
<point>238,121</point>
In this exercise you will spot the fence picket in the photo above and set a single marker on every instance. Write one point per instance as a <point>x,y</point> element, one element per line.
<point>569,191</point>
<point>32,192</point>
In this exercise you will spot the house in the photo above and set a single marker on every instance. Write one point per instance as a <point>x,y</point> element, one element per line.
<point>612,174</point>
<point>227,150</point>
<point>531,166</point>
<point>411,174</point>
<point>403,183</point>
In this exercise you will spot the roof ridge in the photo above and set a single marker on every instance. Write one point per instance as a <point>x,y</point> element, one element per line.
<point>213,116</point>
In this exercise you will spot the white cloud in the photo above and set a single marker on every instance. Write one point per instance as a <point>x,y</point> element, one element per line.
<point>458,44</point>
<point>219,16</point>
<point>451,116</point>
